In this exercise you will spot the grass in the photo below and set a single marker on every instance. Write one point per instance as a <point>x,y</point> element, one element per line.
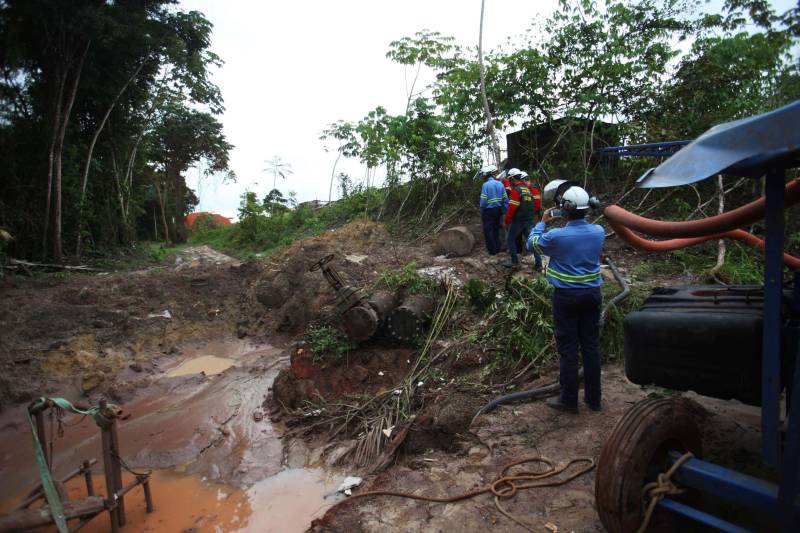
<point>328,345</point>
<point>407,280</point>
<point>743,265</point>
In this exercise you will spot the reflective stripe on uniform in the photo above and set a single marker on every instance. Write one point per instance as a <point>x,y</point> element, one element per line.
<point>536,244</point>
<point>513,202</point>
<point>569,278</point>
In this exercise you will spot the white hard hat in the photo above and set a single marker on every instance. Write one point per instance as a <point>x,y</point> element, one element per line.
<point>488,169</point>
<point>549,193</point>
<point>524,175</point>
<point>575,199</point>
<point>514,172</point>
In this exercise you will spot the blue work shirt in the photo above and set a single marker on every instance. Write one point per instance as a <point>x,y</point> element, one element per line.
<point>493,194</point>
<point>574,253</point>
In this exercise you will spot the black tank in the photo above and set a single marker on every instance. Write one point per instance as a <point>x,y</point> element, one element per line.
<point>704,338</point>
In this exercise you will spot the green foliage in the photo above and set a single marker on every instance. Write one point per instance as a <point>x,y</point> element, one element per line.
<point>408,280</point>
<point>144,109</point>
<point>260,232</point>
<point>743,265</point>
<point>328,344</point>
<point>479,294</point>
<point>521,328</point>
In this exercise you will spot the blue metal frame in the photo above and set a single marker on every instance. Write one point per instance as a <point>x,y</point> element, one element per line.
<point>771,340</point>
<point>700,516</point>
<point>780,501</point>
<point>662,149</point>
<point>735,487</point>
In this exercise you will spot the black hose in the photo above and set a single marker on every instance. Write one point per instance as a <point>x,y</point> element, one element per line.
<point>554,388</point>
<point>622,295</point>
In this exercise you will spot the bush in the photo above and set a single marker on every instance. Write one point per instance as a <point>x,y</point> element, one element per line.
<point>479,294</point>
<point>328,344</point>
<point>521,327</point>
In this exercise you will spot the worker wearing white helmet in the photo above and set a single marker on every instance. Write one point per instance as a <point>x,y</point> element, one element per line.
<point>574,271</point>
<point>493,204</point>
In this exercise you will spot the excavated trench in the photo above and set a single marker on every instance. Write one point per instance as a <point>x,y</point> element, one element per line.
<point>219,462</point>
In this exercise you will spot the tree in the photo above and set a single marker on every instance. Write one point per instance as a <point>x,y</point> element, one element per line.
<point>487,112</point>
<point>277,167</point>
<point>83,85</point>
<point>181,138</point>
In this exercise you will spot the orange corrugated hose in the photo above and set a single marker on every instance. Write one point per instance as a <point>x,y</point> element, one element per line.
<point>674,244</point>
<point>733,219</point>
<point>690,233</point>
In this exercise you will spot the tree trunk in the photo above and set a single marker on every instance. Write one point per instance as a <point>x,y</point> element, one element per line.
<point>179,204</point>
<point>58,152</point>
<point>721,249</point>
<point>58,98</point>
<point>125,236</point>
<point>161,197</point>
<point>333,173</point>
<point>486,110</point>
<point>99,129</point>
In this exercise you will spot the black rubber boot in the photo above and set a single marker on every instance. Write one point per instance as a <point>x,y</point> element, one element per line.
<point>593,407</point>
<point>558,405</point>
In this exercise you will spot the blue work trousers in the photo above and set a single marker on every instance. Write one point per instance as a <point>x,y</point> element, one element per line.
<point>517,229</point>
<point>492,222</point>
<point>576,316</point>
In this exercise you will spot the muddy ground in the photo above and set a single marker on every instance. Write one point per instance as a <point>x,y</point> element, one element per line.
<point>125,336</point>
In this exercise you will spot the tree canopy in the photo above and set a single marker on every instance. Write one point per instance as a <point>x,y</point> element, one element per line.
<point>103,107</point>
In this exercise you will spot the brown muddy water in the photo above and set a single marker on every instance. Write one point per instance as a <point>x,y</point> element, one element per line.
<point>218,461</point>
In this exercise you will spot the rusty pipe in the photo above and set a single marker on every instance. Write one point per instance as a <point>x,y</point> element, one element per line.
<point>641,243</point>
<point>730,220</point>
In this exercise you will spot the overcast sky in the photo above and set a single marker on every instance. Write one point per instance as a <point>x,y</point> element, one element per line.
<point>293,67</point>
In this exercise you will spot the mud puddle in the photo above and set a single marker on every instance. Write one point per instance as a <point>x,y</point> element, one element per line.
<point>286,503</point>
<point>210,365</point>
<point>219,460</point>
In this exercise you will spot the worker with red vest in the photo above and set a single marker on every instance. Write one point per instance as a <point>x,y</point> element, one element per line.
<point>520,216</point>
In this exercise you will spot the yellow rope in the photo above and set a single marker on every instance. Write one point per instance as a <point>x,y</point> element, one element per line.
<point>663,486</point>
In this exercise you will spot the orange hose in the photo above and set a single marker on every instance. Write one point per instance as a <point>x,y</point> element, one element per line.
<point>731,220</point>
<point>674,244</point>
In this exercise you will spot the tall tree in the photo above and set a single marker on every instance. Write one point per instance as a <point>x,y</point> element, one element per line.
<point>277,167</point>
<point>181,138</point>
<point>487,112</point>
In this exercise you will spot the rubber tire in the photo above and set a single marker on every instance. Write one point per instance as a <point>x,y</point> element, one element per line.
<point>636,447</point>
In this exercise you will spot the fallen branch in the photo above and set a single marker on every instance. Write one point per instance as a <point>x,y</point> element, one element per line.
<point>50,266</point>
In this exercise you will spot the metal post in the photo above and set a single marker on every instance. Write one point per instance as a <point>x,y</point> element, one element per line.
<point>87,474</point>
<point>790,484</point>
<point>771,342</point>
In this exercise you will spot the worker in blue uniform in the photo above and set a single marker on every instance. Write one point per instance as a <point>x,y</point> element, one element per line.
<point>574,272</point>
<point>493,204</point>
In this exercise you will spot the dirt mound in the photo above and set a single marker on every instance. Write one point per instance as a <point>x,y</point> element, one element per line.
<point>373,368</point>
<point>292,296</point>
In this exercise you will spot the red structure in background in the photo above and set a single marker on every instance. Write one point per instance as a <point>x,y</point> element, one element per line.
<point>219,220</point>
